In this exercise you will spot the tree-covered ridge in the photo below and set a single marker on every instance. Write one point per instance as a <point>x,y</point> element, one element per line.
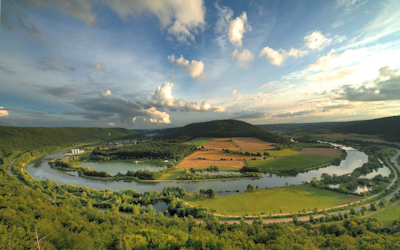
<point>225,128</point>
<point>388,127</point>
<point>31,138</point>
<point>150,149</point>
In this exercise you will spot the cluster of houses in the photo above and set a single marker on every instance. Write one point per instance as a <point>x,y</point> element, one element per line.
<point>119,143</point>
<point>122,143</point>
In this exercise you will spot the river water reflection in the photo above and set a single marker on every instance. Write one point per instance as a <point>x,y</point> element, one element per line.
<point>41,170</point>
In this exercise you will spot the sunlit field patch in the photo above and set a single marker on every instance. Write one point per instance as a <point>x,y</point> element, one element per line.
<point>252,144</point>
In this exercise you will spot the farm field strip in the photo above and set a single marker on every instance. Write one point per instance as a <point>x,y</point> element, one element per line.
<point>216,155</point>
<point>252,144</point>
<point>277,200</point>
<point>321,151</point>
<point>220,143</point>
<point>192,163</point>
<point>199,141</point>
<point>299,161</point>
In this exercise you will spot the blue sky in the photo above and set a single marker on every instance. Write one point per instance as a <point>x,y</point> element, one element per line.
<point>159,64</point>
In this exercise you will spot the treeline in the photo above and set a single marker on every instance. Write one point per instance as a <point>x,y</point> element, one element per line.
<point>149,149</point>
<point>224,128</point>
<point>189,175</point>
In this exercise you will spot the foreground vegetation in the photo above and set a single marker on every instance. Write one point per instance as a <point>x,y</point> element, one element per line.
<point>44,215</point>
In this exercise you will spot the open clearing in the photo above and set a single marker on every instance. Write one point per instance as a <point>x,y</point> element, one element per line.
<point>388,216</point>
<point>299,161</point>
<point>220,143</point>
<point>252,144</point>
<point>277,200</point>
<point>321,151</point>
<point>199,141</point>
<point>284,152</point>
<point>192,163</point>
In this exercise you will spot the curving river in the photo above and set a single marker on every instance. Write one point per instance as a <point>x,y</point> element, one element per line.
<point>40,170</point>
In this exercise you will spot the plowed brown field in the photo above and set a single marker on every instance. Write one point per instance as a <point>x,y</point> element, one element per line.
<point>252,144</point>
<point>220,143</point>
<point>320,151</point>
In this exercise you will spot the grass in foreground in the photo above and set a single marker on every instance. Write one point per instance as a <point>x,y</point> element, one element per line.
<point>299,161</point>
<point>199,141</point>
<point>388,216</point>
<point>290,199</point>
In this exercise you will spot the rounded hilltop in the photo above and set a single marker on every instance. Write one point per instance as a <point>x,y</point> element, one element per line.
<point>224,128</point>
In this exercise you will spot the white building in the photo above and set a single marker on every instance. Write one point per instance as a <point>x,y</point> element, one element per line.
<point>76,151</point>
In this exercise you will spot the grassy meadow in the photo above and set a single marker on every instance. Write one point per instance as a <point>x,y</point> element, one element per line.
<point>290,199</point>
<point>199,141</point>
<point>284,152</point>
<point>298,161</point>
<point>388,216</point>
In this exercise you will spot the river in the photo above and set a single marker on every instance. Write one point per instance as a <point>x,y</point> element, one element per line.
<point>40,170</point>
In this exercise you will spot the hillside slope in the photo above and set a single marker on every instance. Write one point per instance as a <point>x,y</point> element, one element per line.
<point>28,138</point>
<point>224,128</point>
<point>388,127</point>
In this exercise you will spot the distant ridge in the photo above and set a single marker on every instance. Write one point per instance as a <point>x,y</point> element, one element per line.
<point>388,127</point>
<point>224,128</point>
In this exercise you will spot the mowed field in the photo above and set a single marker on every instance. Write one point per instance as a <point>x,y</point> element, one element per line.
<point>220,143</point>
<point>290,199</point>
<point>321,151</point>
<point>388,215</point>
<point>217,155</point>
<point>298,161</point>
<point>252,144</point>
<point>191,163</point>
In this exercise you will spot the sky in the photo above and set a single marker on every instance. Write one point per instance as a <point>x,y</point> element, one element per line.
<point>159,64</point>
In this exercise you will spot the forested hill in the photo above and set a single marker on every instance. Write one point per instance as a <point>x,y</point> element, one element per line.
<point>225,128</point>
<point>28,138</point>
<point>388,127</point>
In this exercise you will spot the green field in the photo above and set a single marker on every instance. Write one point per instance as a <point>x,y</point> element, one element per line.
<point>284,152</point>
<point>388,216</point>
<point>290,199</point>
<point>172,175</point>
<point>310,145</point>
<point>199,141</point>
<point>298,161</point>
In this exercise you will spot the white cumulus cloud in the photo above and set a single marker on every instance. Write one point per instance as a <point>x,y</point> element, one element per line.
<point>182,19</point>
<point>3,112</point>
<point>106,93</point>
<point>273,56</point>
<point>162,97</point>
<point>315,40</point>
<point>236,28</point>
<point>244,58</point>
<point>96,66</point>
<point>194,68</point>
